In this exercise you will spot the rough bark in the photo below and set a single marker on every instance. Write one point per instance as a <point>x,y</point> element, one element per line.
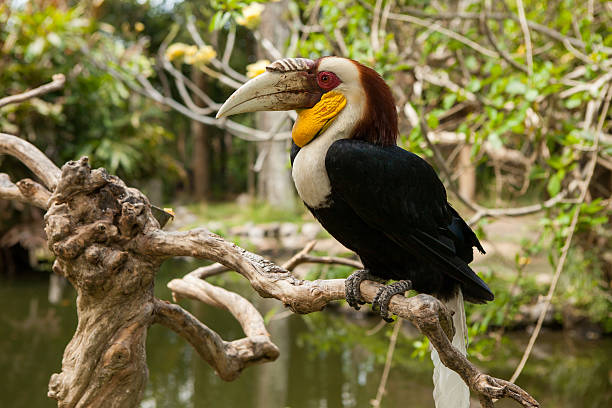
<point>95,225</point>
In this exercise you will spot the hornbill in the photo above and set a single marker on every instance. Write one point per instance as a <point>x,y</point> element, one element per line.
<point>379,200</point>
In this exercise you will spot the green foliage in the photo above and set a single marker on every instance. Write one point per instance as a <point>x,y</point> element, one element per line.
<point>96,114</point>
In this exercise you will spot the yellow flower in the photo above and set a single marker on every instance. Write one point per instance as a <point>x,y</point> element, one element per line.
<point>175,51</point>
<point>257,68</point>
<point>201,56</point>
<point>138,26</point>
<point>250,15</point>
<point>169,211</point>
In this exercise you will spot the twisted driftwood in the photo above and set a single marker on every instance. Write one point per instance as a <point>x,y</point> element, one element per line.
<point>109,246</point>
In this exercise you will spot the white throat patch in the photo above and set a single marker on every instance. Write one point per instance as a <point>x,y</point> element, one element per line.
<point>309,173</point>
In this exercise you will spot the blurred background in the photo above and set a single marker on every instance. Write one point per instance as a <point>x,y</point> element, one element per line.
<point>508,100</point>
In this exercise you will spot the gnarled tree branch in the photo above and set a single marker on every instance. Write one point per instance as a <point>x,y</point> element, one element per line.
<point>25,191</point>
<point>269,280</point>
<point>33,158</point>
<point>227,358</point>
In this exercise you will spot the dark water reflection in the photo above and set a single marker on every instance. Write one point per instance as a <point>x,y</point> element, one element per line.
<point>327,360</point>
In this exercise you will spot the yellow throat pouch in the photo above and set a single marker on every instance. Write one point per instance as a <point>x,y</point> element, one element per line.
<point>311,122</point>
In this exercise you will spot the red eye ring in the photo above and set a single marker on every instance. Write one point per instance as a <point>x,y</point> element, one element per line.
<point>328,80</point>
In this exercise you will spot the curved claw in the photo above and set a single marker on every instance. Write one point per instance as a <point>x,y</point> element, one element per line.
<point>351,287</point>
<point>384,295</point>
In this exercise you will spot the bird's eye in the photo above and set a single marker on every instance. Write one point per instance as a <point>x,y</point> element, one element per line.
<point>328,80</point>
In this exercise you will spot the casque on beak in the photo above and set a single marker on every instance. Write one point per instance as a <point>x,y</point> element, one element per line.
<point>287,84</point>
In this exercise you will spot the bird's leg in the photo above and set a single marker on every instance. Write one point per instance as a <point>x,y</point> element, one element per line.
<point>384,295</point>
<point>351,287</point>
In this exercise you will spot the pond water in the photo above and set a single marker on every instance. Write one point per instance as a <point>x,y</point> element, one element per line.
<point>328,359</point>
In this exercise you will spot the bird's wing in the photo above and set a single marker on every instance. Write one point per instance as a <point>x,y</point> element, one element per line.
<point>398,193</point>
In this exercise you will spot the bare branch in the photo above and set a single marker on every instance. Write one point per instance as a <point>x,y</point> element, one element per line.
<point>298,259</point>
<point>108,244</point>
<point>375,26</point>
<point>340,41</point>
<point>10,191</point>
<point>145,88</point>
<point>229,45</point>
<point>57,83</point>
<point>525,28</point>
<point>437,27</point>
<point>441,163</point>
<point>385,375</point>
<point>493,41</point>
<point>517,211</point>
<point>589,169</point>
<point>556,35</point>
<point>227,358</point>
<point>495,153</point>
<point>304,257</point>
<point>195,35</point>
<point>267,45</point>
<point>480,210</point>
<point>33,158</point>
<point>34,192</point>
<point>208,271</point>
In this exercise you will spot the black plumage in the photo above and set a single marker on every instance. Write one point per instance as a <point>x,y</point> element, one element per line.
<point>389,206</point>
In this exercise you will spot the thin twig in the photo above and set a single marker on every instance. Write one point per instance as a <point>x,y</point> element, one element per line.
<point>556,35</point>
<point>58,82</point>
<point>312,18</point>
<point>195,35</point>
<point>375,24</point>
<point>526,35</point>
<point>293,262</point>
<point>565,250</point>
<point>437,27</point>
<point>229,45</point>
<point>443,167</point>
<point>301,257</point>
<point>517,211</point>
<point>493,41</point>
<point>385,375</point>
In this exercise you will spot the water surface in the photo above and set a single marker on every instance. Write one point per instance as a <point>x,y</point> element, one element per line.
<point>327,359</point>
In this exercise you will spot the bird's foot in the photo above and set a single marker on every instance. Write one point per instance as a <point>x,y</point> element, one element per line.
<point>384,295</point>
<point>351,287</point>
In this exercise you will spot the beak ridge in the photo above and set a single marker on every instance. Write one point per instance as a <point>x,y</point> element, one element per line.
<point>277,89</point>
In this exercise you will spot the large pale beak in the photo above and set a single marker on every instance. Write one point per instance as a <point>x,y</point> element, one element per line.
<point>286,85</point>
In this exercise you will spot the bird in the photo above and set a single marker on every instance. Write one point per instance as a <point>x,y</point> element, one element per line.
<point>379,200</point>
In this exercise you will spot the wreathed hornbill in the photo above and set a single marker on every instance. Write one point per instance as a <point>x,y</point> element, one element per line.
<point>381,201</point>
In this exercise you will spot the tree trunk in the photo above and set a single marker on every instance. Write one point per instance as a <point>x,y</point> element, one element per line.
<point>467,173</point>
<point>89,227</point>
<point>274,185</point>
<point>201,147</point>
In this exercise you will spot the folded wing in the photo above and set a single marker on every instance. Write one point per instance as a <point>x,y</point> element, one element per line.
<point>398,193</point>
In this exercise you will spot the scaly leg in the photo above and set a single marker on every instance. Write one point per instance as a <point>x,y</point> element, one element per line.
<point>384,295</point>
<point>351,287</point>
